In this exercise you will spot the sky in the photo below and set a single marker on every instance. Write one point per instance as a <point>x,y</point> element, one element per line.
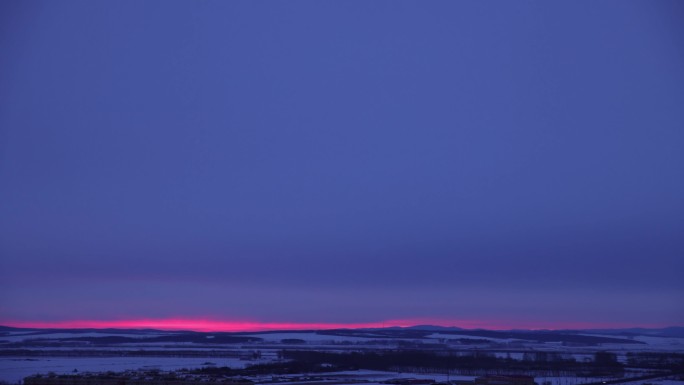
<point>266,164</point>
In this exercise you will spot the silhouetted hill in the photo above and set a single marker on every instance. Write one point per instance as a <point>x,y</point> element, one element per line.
<point>621,336</point>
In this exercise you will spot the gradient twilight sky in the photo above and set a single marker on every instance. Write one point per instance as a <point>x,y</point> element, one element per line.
<point>495,164</point>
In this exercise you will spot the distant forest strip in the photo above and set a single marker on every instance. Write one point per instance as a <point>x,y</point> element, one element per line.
<point>474,363</point>
<point>567,337</point>
<point>477,363</point>
<point>603,364</point>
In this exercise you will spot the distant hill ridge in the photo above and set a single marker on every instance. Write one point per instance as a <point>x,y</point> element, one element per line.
<point>591,336</point>
<point>671,331</point>
<point>677,331</point>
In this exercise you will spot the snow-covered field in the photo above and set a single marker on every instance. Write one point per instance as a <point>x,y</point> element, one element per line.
<point>469,337</point>
<point>650,343</point>
<point>377,376</point>
<point>14,369</point>
<point>669,343</point>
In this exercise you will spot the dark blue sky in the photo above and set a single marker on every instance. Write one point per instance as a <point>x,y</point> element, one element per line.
<point>308,161</point>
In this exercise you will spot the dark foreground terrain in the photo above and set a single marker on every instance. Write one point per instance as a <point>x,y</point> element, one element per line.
<point>434,354</point>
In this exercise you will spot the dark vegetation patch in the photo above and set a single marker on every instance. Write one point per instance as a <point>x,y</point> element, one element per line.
<point>567,337</point>
<point>466,363</point>
<point>292,341</point>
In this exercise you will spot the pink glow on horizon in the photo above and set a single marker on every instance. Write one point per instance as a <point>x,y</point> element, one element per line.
<point>212,325</point>
<point>205,325</point>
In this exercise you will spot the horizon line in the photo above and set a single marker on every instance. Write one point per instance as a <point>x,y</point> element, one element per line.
<point>237,326</point>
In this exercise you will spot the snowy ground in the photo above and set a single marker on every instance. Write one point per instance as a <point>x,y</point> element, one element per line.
<point>14,369</point>
<point>375,376</point>
<point>469,337</point>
